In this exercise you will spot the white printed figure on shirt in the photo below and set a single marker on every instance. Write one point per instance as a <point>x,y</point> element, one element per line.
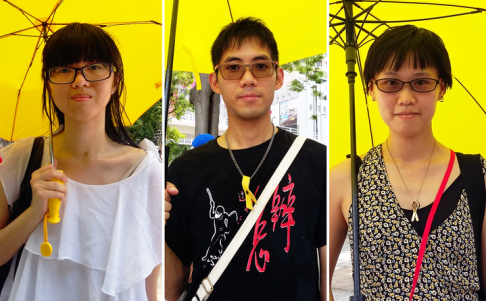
<point>221,222</point>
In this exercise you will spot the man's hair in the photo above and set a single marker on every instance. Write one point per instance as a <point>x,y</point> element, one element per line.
<point>242,31</point>
<point>399,44</point>
<point>85,42</point>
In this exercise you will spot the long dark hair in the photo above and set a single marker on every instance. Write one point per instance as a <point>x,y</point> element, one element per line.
<point>85,42</point>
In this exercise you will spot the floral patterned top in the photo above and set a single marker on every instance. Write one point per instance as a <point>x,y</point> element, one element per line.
<point>389,244</point>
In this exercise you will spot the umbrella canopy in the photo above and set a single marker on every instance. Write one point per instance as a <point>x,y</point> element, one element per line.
<point>24,25</point>
<point>459,122</point>
<point>298,28</point>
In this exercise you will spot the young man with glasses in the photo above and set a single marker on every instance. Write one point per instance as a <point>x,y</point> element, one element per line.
<point>278,259</point>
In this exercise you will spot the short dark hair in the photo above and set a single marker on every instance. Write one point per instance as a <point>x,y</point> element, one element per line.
<point>397,44</point>
<point>243,30</point>
<point>85,42</point>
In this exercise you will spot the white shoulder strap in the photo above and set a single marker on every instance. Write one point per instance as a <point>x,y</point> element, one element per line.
<point>207,285</point>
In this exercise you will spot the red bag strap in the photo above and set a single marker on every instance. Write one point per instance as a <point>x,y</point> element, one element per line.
<point>423,244</point>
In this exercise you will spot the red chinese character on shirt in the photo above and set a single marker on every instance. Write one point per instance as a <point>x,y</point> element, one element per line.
<point>257,236</point>
<point>279,208</point>
<point>287,211</point>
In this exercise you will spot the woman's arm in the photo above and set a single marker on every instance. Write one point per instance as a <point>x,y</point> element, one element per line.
<point>339,203</point>
<point>483,245</point>
<point>151,284</point>
<point>13,235</point>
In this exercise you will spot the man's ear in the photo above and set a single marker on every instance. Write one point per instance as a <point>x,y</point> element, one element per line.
<point>280,79</point>
<point>213,82</point>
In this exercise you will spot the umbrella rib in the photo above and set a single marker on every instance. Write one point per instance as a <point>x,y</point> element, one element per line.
<point>15,32</point>
<point>424,3</point>
<point>358,56</point>
<point>470,94</point>
<point>338,34</point>
<point>123,23</point>
<point>425,19</point>
<point>51,16</point>
<point>24,35</point>
<point>22,85</point>
<point>335,16</point>
<point>54,10</point>
<point>372,15</point>
<point>364,42</point>
<point>23,13</point>
<point>361,28</point>
<point>231,14</point>
<point>21,10</point>
<point>364,11</point>
<point>337,43</point>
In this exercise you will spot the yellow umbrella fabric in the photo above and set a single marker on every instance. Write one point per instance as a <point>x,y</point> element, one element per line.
<point>136,26</point>
<point>299,28</point>
<point>459,123</point>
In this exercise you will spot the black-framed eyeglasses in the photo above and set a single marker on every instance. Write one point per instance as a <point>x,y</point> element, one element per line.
<point>393,85</point>
<point>92,73</point>
<point>259,69</point>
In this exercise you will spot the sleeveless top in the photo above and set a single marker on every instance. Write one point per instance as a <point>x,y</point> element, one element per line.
<point>389,244</point>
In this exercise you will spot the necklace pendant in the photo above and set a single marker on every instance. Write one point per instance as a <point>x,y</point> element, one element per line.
<point>415,206</point>
<point>250,198</point>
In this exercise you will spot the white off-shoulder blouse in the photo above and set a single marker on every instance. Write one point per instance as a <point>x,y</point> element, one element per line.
<point>108,241</point>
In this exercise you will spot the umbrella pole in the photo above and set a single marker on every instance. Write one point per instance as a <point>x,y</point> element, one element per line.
<point>168,74</point>
<point>350,49</point>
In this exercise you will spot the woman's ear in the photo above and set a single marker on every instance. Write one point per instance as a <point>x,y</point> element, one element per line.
<point>371,92</point>
<point>115,84</point>
<point>442,92</point>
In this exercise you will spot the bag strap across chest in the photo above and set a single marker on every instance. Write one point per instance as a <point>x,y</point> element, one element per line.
<point>24,200</point>
<point>473,178</point>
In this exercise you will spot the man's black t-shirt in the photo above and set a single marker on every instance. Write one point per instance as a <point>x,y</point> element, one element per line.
<point>278,260</point>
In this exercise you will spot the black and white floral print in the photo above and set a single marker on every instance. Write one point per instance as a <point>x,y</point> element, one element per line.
<point>389,245</point>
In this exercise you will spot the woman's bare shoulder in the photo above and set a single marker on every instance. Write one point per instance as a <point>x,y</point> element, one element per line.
<point>130,154</point>
<point>342,170</point>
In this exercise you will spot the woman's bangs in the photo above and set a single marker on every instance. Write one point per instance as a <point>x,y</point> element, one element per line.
<point>76,44</point>
<point>417,58</point>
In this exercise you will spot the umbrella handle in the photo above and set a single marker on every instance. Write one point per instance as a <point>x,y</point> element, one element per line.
<point>51,216</point>
<point>54,204</point>
<point>46,248</point>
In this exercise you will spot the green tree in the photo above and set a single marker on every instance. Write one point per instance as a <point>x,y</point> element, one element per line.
<point>178,105</point>
<point>149,125</point>
<point>177,150</point>
<point>313,75</point>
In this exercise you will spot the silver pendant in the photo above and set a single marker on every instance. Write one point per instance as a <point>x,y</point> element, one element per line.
<point>415,206</point>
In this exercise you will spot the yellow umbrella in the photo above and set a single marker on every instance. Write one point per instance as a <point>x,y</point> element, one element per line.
<point>136,26</point>
<point>459,122</point>
<point>299,28</point>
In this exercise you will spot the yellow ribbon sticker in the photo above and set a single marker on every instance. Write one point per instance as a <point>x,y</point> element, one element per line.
<point>194,67</point>
<point>250,198</point>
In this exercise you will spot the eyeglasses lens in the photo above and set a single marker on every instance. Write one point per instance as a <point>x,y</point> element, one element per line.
<point>232,71</point>
<point>93,72</point>
<point>418,85</point>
